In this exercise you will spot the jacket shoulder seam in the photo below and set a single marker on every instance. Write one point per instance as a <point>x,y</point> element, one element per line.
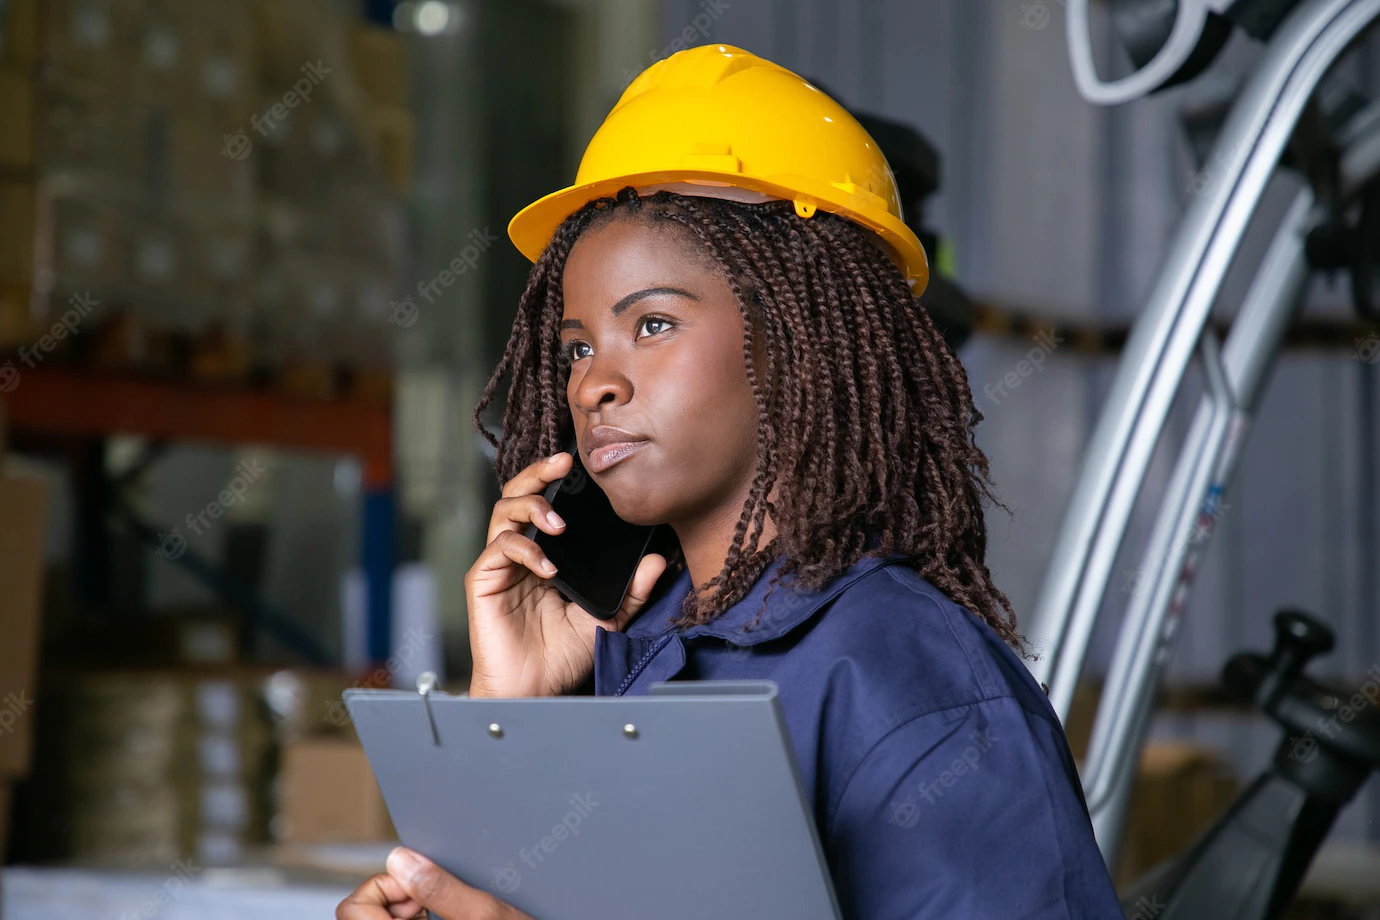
<point>980,676</point>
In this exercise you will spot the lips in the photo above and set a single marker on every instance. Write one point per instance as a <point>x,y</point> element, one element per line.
<point>609,445</point>
<point>601,458</point>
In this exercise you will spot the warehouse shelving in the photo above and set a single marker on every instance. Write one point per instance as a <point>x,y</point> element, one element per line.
<point>90,406</point>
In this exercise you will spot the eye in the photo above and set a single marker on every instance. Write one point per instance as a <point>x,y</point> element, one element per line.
<point>653,319</point>
<point>568,350</point>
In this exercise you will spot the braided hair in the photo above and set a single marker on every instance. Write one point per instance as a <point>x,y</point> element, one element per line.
<point>869,450</point>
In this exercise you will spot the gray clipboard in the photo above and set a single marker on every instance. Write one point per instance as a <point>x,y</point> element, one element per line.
<point>684,804</point>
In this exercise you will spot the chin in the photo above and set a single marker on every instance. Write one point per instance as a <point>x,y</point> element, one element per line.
<point>639,508</point>
<point>636,499</point>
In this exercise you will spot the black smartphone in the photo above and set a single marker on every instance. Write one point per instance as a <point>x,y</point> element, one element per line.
<point>597,553</point>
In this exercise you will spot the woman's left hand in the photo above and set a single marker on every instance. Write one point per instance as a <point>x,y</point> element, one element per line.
<point>414,884</point>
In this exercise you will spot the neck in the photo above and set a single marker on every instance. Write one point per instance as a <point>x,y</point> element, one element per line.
<point>705,541</point>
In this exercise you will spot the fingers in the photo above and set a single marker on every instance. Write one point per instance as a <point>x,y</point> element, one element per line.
<point>530,483</point>
<point>536,476</point>
<point>507,548</point>
<point>379,898</point>
<point>644,580</point>
<point>442,893</point>
<point>516,513</point>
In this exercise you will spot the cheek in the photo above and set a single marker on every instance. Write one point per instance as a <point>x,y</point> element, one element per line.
<point>706,413</point>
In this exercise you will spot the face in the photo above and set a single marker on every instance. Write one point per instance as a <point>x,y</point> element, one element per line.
<point>654,338</point>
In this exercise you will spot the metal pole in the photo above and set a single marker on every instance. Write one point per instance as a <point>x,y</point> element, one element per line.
<point>1167,333</point>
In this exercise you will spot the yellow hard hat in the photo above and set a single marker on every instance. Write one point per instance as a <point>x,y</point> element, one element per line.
<point>717,120</point>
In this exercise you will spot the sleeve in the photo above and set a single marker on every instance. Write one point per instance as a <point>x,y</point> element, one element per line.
<point>967,814</point>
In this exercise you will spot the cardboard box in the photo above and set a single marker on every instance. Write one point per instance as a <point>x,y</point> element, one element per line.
<point>306,702</point>
<point>378,57</point>
<point>223,38</point>
<point>288,35</point>
<point>1082,710</point>
<point>57,254</point>
<point>135,767</point>
<point>300,151</point>
<point>164,63</point>
<point>17,115</point>
<point>196,59</point>
<point>23,536</point>
<point>17,326</point>
<point>328,794</point>
<point>18,216</point>
<point>97,145</point>
<point>19,44</point>
<point>200,178</point>
<point>1180,790</point>
<point>64,242</point>
<point>87,46</point>
<point>86,247</point>
<point>391,145</point>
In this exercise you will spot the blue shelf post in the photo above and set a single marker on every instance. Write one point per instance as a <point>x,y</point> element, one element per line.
<point>380,509</point>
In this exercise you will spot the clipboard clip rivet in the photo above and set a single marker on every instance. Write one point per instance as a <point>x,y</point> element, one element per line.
<point>495,729</point>
<point>426,682</point>
<point>630,730</point>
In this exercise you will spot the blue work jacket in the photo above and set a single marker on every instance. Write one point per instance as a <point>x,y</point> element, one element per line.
<point>941,781</point>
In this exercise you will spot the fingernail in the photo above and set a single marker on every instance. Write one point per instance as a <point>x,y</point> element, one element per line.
<point>554,519</point>
<point>547,567</point>
<point>403,864</point>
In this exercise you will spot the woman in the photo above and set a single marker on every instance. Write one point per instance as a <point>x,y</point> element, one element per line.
<point>746,363</point>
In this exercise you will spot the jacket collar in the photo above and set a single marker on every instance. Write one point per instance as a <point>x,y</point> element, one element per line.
<point>787,607</point>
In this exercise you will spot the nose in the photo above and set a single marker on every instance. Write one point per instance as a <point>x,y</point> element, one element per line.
<point>599,381</point>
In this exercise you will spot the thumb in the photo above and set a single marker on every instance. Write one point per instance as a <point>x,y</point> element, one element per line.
<point>442,893</point>
<point>644,580</point>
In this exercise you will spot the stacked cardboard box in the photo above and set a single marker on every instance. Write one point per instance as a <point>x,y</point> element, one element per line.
<point>113,187</point>
<point>328,794</point>
<point>146,136</point>
<point>326,791</point>
<point>331,231</point>
<point>379,60</point>
<point>1180,790</point>
<point>144,767</point>
<point>138,766</point>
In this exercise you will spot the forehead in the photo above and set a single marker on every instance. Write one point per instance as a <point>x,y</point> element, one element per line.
<point>631,253</point>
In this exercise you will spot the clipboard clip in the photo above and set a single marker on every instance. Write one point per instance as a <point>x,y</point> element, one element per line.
<point>426,682</point>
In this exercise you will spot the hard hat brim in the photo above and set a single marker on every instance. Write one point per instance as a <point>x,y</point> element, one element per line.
<point>531,228</point>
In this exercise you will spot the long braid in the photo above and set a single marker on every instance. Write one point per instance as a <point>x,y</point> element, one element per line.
<point>867,420</point>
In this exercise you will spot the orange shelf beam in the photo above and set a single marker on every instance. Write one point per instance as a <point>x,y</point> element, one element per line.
<point>83,403</point>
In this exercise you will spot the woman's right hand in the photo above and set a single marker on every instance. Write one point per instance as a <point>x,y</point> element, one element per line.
<point>526,639</point>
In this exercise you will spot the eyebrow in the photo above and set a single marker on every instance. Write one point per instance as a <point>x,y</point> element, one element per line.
<point>621,307</point>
